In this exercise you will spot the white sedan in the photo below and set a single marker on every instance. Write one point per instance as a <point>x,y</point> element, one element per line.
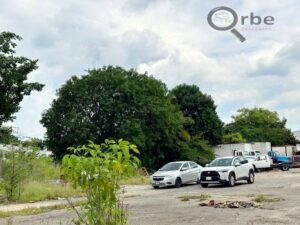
<point>176,174</point>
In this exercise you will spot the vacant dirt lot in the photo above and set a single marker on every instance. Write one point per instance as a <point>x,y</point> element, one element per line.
<point>163,206</point>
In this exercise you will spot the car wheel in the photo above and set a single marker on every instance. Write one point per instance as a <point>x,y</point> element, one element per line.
<point>231,180</point>
<point>204,185</point>
<point>155,187</point>
<point>250,179</point>
<point>284,167</point>
<point>178,182</point>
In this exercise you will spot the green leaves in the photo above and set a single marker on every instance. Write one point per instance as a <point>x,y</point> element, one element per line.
<point>13,76</point>
<point>260,125</point>
<point>200,113</point>
<point>98,171</point>
<point>112,102</point>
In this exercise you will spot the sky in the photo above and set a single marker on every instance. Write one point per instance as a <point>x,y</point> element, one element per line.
<point>170,39</point>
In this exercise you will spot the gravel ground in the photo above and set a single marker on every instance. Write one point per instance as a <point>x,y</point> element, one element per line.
<point>163,207</point>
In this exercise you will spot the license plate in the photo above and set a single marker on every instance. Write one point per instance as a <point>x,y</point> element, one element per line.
<point>157,183</point>
<point>208,178</point>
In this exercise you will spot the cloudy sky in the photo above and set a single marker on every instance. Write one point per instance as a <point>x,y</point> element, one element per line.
<point>170,39</point>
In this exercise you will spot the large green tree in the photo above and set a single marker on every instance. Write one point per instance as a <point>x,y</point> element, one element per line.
<point>261,125</point>
<point>13,75</point>
<point>115,103</point>
<point>200,112</point>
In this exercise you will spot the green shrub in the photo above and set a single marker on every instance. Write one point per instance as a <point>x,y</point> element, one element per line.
<point>14,173</point>
<point>98,170</point>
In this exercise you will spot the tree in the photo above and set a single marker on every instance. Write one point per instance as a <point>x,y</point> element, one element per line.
<point>232,138</point>
<point>13,76</point>
<point>196,149</point>
<point>261,125</point>
<point>200,112</point>
<point>6,136</point>
<point>113,103</point>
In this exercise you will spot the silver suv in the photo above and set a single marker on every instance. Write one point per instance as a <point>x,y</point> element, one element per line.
<point>227,170</point>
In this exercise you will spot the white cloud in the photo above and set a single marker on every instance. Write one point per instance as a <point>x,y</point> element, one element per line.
<point>169,39</point>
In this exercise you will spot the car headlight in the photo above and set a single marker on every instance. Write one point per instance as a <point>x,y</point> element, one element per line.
<point>224,171</point>
<point>168,176</point>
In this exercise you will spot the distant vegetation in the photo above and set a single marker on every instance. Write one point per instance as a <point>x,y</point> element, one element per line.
<point>259,125</point>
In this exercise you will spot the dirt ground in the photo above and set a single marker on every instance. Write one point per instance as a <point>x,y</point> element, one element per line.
<point>163,207</point>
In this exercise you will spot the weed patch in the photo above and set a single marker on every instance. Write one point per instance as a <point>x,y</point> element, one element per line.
<point>201,197</point>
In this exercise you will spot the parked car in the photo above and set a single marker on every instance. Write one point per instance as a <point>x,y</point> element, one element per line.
<point>176,174</point>
<point>227,170</point>
<point>260,162</point>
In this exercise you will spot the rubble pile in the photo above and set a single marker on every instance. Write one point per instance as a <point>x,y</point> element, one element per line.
<point>230,204</point>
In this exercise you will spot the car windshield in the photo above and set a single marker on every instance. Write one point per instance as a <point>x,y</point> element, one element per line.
<point>171,166</point>
<point>221,162</point>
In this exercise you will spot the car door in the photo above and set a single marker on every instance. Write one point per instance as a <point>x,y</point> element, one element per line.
<point>245,167</point>
<point>239,170</point>
<point>195,171</point>
<point>185,173</point>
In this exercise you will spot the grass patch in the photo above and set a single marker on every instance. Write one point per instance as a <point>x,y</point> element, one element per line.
<point>34,191</point>
<point>136,180</point>
<point>201,197</point>
<point>264,198</point>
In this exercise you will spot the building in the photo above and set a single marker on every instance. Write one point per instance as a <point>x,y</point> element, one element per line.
<point>241,148</point>
<point>297,135</point>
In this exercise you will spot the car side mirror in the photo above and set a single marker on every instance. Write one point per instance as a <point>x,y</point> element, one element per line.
<point>237,164</point>
<point>207,165</point>
<point>183,169</point>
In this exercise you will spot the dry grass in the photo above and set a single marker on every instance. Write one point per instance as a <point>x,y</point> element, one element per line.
<point>201,197</point>
<point>266,198</point>
<point>136,180</point>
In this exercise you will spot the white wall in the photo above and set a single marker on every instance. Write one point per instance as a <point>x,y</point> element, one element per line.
<point>263,147</point>
<point>228,149</point>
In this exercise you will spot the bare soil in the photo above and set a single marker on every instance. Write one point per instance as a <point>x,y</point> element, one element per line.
<point>163,206</point>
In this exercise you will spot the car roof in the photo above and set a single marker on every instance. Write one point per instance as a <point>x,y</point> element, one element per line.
<point>181,161</point>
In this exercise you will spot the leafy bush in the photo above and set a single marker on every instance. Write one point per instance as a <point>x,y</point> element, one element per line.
<point>98,169</point>
<point>14,173</point>
<point>197,149</point>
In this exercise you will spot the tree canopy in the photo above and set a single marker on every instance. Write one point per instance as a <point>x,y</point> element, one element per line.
<point>200,112</point>
<point>261,125</point>
<point>13,76</point>
<point>114,103</point>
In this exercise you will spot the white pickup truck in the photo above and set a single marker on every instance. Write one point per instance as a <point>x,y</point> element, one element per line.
<point>260,162</point>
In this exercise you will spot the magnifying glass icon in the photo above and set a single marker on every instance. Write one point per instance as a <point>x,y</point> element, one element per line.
<point>224,18</point>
